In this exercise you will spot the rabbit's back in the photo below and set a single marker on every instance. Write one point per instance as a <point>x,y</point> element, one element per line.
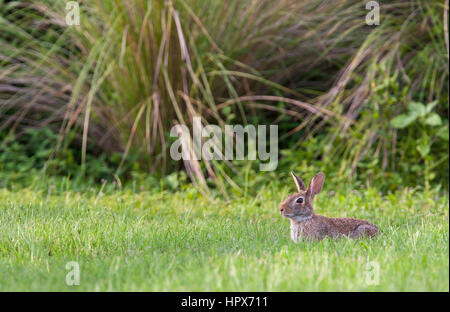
<point>318,227</point>
<point>351,227</point>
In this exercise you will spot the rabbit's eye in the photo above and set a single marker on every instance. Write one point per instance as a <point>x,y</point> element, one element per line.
<point>299,200</point>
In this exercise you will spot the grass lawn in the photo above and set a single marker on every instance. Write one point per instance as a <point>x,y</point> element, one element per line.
<point>161,241</point>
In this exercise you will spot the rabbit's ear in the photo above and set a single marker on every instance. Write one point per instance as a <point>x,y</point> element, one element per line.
<point>315,186</point>
<point>300,185</point>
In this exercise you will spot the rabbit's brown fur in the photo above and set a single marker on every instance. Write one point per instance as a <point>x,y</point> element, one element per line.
<point>305,223</point>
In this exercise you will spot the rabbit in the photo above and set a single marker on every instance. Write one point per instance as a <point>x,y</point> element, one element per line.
<point>307,225</point>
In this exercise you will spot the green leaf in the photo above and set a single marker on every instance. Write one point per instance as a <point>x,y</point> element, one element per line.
<point>431,105</point>
<point>226,110</point>
<point>443,133</point>
<point>417,108</point>
<point>402,121</point>
<point>423,149</point>
<point>433,120</point>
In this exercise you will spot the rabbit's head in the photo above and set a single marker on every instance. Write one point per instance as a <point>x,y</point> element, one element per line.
<point>299,206</point>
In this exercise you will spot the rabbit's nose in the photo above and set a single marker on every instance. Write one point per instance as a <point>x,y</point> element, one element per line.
<point>281,209</point>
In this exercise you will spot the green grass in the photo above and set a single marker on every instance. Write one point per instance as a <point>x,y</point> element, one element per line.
<point>126,240</point>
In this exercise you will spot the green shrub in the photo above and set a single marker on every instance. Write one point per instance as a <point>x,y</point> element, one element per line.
<point>120,80</point>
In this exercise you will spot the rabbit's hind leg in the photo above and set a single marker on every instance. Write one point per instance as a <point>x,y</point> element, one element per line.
<point>364,230</point>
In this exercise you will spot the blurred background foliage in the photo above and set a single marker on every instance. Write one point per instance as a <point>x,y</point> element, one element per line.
<point>368,105</point>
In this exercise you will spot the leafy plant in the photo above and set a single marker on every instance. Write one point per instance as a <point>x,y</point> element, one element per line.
<point>132,69</point>
<point>429,124</point>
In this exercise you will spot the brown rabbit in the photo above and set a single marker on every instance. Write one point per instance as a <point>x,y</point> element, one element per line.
<point>305,223</point>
